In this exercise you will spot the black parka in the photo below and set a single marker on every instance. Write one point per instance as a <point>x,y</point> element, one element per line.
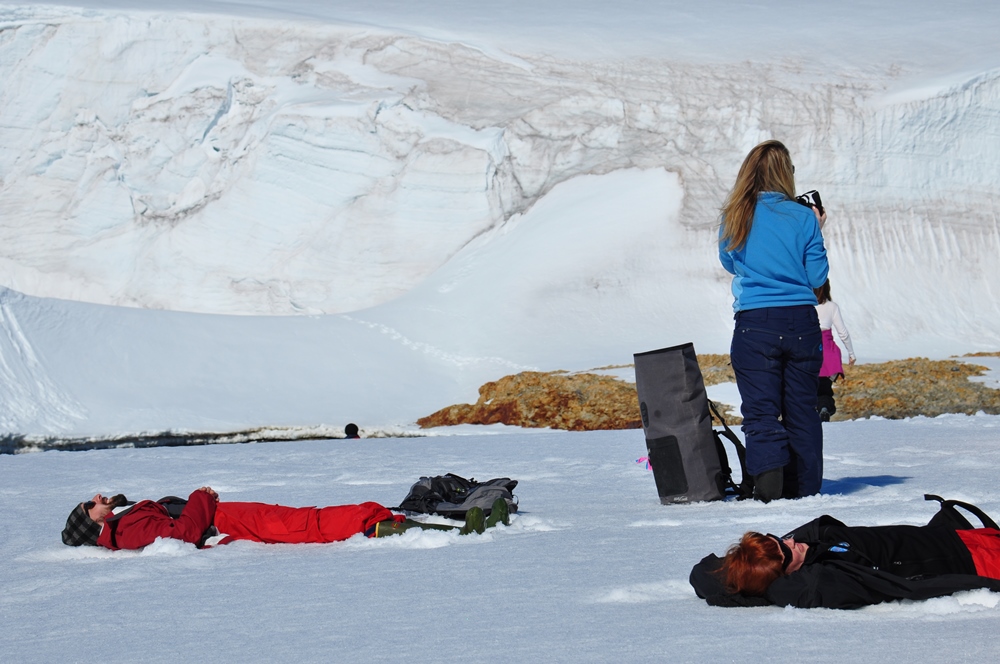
<point>847,568</point>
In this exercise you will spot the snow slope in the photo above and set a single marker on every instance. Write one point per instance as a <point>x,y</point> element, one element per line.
<point>592,569</point>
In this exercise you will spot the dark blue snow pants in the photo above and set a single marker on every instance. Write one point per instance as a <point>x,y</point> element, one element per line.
<point>776,355</point>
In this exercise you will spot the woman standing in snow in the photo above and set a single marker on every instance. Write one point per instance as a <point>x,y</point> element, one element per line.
<point>774,249</point>
<point>833,366</point>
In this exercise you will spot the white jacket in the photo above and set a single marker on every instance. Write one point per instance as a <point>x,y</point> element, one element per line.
<point>830,318</point>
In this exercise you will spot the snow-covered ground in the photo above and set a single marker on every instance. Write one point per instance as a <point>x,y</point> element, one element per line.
<point>592,569</point>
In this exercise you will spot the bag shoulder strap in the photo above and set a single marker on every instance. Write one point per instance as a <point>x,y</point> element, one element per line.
<point>173,505</point>
<point>744,489</point>
<point>950,505</point>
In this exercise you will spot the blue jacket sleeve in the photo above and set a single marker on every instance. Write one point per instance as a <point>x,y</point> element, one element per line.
<point>816,264</point>
<point>724,257</point>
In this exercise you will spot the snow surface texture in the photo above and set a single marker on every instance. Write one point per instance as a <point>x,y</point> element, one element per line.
<point>451,194</point>
<point>591,569</point>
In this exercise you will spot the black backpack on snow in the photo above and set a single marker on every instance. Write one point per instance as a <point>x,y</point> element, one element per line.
<point>452,496</point>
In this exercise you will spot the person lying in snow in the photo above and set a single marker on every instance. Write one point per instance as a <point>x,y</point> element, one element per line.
<point>825,563</point>
<point>202,516</point>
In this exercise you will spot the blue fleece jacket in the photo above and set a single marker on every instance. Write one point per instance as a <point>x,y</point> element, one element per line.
<point>783,260</point>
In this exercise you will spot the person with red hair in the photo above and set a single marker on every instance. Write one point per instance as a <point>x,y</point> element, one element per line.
<point>751,565</point>
<point>826,563</point>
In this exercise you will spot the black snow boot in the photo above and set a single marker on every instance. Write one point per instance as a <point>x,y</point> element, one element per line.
<point>826,405</point>
<point>767,486</point>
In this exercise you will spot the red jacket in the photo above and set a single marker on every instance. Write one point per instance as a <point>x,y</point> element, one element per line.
<point>147,520</point>
<point>257,522</point>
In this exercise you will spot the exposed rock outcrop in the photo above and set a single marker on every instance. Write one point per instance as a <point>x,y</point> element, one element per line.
<point>589,401</point>
<point>574,402</point>
<point>907,388</point>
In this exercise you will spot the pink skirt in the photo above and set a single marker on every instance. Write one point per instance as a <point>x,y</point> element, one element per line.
<point>833,363</point>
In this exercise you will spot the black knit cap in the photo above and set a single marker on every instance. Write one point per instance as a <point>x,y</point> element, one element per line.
<point>80,528</point>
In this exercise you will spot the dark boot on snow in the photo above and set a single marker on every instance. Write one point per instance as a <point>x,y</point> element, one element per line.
<point>767,486</point>
<point>826,405</point>
<point>499,513</point>
<point>475,522</point>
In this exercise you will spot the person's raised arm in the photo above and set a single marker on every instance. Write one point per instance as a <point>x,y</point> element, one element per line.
<point>830,587</point>
<point>845,336</point>
<point>815,260</point>
<point>198,515</point>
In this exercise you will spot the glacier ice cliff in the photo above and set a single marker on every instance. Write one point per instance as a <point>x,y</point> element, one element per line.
<point>247,166</point>
<point>242,165</point>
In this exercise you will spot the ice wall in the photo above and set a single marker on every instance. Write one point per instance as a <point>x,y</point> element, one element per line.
<point>460,211</point>
<point>241,166</point>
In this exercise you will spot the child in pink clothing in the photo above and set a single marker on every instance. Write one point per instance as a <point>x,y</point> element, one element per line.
<point>833,367</point>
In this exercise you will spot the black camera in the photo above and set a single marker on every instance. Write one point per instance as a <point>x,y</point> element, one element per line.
<point>811,199</point>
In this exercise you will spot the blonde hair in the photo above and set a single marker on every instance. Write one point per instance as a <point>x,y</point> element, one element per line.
<point>768,167</point>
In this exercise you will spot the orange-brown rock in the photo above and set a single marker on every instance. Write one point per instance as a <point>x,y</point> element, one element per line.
<point>588,401</point>
<point>907,388</point>
<point>574,402</point>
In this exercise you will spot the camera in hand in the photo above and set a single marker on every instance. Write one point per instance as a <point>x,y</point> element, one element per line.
<point>811,199</point>
<point>120,501</point>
